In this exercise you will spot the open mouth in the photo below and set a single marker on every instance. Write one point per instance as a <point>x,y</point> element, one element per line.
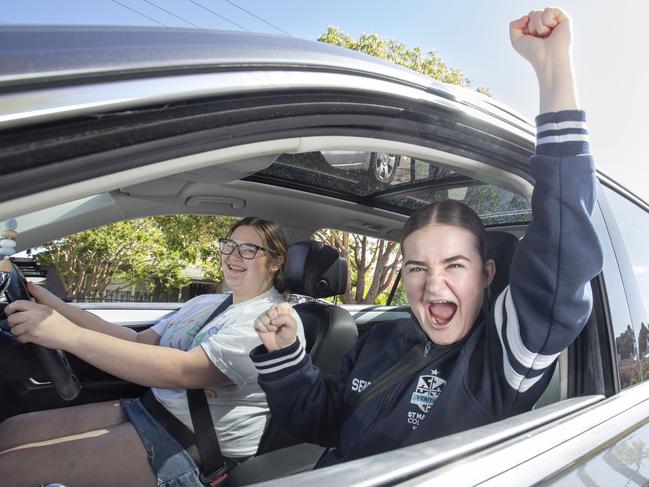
<point>441,313</point>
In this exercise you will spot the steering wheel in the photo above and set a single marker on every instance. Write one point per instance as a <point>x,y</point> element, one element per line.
<point>56,365</point>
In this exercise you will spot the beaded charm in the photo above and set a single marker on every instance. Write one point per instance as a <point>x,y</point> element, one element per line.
<point>8,236</point>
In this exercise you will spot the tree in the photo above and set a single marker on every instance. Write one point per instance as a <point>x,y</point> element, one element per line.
<point>151,250</point>
<point>626,344</point>
<point>643,340</point>
<point>196,238</point>
<point>373,264</point>
<point>627,352</point>
<point>430,64</point>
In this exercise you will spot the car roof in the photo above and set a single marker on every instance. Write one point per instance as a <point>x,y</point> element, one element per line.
<point>33,54</point>
<point>75,50</point>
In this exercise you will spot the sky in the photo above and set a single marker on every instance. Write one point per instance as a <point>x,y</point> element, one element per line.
<point>610,48</point>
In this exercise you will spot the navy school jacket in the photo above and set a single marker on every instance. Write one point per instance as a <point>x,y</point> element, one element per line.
<point>503,365</point>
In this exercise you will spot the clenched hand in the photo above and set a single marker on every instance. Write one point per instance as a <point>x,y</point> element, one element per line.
<point>277,327</point>
<point>544,37</point>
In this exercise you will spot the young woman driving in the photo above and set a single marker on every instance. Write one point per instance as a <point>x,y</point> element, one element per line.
<point>121,443</point>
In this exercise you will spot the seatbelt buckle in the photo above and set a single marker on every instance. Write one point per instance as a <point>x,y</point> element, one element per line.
<point>215,478</point>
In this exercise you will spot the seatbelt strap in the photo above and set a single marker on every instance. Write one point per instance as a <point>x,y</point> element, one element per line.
<point>415,359</point>
<point>213,468</point>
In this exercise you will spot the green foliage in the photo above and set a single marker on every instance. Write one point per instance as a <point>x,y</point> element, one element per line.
<point>399,297</point>
<point>196,238</point>
<point>430,63</point>
<point>373,263</point>
<point>153,250</point>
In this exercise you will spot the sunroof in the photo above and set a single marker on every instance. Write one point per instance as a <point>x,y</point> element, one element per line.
<point>397,182</point>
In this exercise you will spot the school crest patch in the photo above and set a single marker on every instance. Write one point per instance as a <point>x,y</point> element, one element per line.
<point>427,391</point>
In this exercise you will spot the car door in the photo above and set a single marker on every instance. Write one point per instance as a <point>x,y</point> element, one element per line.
<point>69,132</point>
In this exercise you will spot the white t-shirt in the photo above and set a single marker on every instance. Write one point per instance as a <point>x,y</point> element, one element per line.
<point>239,410</point>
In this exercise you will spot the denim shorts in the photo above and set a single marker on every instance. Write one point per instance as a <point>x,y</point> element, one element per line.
<point>170,463</point>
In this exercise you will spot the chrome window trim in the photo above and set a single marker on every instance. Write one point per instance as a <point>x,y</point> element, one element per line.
<point>363,316</point>
<point>622,190</point>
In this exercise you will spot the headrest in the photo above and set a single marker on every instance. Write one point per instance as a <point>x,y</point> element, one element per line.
<point>315,269</point>
<point>501,247</point>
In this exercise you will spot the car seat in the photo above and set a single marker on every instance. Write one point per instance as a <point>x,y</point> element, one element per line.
<point>316,270</point>
<point>501,247</point>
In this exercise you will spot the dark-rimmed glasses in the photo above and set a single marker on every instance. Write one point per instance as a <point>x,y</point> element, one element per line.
<point>246,250</point>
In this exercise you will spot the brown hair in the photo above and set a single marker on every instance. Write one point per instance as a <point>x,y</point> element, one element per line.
<point>448,212</point>
<point>273,240</point>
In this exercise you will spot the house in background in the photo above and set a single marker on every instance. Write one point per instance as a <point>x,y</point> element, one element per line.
<point>139,292</point>
<point>122,291</point>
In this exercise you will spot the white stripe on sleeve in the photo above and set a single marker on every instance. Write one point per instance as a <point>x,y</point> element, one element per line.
<point>517,381</point>
<point>568,124</point>
<point>525,357</point>
<point>279,359</point>
<point>557,139</point>
<point>284,365</point>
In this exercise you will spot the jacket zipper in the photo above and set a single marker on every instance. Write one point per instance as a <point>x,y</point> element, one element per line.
<point>427,348</point>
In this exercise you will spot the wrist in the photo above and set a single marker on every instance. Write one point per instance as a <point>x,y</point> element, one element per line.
<point>53,302</point>
<point>557,87</point>
<point>73,338</point>
<point>285,343</point>
<point>57,305</point>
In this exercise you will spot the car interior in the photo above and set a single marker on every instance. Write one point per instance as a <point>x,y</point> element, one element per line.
<point>274,185</point>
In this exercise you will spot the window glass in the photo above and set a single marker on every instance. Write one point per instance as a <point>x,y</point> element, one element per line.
<point>162,258</point>
<point>625,344</point>
<point>632,222</point>
<point>397,182</point>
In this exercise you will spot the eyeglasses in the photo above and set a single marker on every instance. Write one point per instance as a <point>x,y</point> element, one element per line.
<point>246,250</point>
